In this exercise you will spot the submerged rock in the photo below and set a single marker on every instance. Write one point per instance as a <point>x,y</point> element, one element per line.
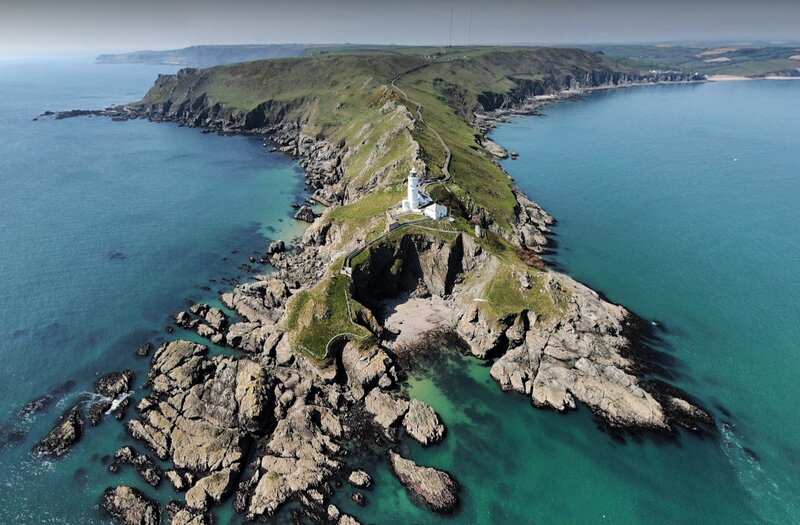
<point>130,507</point>
<point>435,488</point>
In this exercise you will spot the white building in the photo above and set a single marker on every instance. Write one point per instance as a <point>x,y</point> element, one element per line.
<point>416,199</point>
<point>436,211</point>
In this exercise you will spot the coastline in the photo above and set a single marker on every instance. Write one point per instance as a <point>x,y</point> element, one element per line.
<point>264,302</point>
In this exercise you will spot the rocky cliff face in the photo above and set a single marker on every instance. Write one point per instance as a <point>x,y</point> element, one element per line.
<point>582,355</point>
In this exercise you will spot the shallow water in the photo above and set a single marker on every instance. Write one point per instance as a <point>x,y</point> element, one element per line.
<point>107,228</point>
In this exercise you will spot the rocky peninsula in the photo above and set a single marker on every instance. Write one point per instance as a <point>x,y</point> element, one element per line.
<point>322,354</point>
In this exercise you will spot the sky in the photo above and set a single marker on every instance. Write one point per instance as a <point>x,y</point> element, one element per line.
<point>64,26</point>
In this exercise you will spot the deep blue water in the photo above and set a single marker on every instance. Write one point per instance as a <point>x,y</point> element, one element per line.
<point>107,228</point>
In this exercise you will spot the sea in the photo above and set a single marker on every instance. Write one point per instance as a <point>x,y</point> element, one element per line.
<point>678,201</point>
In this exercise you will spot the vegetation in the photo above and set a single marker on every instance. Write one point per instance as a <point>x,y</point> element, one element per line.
<point>317,315</point>
<point>741,60</point>
<point>371,99</point>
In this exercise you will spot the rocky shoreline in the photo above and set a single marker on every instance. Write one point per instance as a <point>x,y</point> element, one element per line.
<point>271,426</point>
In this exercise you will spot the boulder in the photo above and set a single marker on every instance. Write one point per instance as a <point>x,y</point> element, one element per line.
<point>305,213</point>
<point>364,366</point>
<point>130,507</point>
<point>435,488</point>
<point>276,247</point>
<point>360,479</point>
<point>422,423</point>
<point>386,410</point>
<point>63,436</point>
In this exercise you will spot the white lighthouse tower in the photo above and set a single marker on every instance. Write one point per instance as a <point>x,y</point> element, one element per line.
<point>413,190</point>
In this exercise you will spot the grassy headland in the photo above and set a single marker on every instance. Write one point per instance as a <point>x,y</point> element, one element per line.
<point>386,106</point>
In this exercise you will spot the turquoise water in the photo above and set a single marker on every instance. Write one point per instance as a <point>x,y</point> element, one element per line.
<point>107,228</point>
<point>654,211</point>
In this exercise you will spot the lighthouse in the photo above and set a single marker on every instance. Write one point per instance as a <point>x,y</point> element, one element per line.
<point>413,190</point>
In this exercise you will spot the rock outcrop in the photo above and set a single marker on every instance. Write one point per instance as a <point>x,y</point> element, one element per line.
<point>202,414</point>
<point>130,507</point>
<point>434,488</point>
<point>63,436</point>
<point>422,423</point>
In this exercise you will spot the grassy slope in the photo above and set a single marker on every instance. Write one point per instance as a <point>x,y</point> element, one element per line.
<point>744,60</point>
<point>343,96</point>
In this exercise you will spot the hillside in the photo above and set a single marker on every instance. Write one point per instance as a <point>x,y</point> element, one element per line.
<point>205,56</point>
<point>360,134</point>
<point>739,60</point>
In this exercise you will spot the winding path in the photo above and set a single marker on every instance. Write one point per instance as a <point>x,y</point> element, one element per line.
<point>448,154</point>
<point>347,264</point>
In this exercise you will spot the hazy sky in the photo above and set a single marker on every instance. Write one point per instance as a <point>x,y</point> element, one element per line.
<point>99,25</point>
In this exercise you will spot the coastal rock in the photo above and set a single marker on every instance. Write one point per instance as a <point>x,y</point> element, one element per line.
<point>259,302</point>
<point>186,516</point>
<point>298,458</point>
<point>276,247</point>
<point>422,423</point>
<point>387,410</point>
<point>202,414</point>
<point>144,465</point>
<point>360,479</point>
<point>130,507</point>
<point>364,366</point>
<point>578,357</point>
<point>63,436</point>
<point>435,488</point>
<point>115,384</point>
<point>305,213</point>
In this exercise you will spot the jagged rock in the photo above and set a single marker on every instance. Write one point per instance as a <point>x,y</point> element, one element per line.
<point>144,350</point>
<point>210,488</point>
<point>185,516</point>
<point>360,479</point>
<point>299,457</point>
<point>114,384</point>
<point>346,519</point>
<point>364,366</point>
<point>387,410</point>
<point>333,513</point>
<point>182,319</point>
<point>435,488</point>
<point>305,213</point>
<point>216,319</point>
<point>202,414</point>
<point>199,309</point>
<point>422,423</point>
<point>130,507</point>
<point>63,436</point>
<point>144,465</point>
<point>276,247</point>
<point>180,482</point>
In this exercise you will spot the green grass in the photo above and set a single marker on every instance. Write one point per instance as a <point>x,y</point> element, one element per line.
<point>345,94</point>
<point>745,60</point>
<point>316,315</point>
<point>505,295</point>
